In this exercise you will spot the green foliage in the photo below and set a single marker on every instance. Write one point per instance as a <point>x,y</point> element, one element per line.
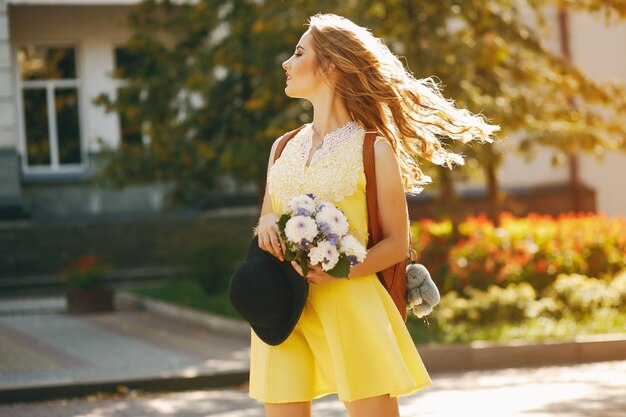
<point>580,296</point>
<point>206,81</point>
<point>571,296</point>
<point>496,304</point>
<point>212,265</point>
<point>533,249</point>
<point>573,305</point>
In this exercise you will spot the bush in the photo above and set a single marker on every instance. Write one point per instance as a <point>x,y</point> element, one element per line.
<point>483,307</point>
<point>618,286</point>
<point>212,265</point>
<point>581,295</point>
<point>572,296</point>
<point>535,249</point>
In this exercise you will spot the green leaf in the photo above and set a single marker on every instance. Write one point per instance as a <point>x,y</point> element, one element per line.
<point>341,270</point>
<point>304,264</point>
<point>289,254</point>
<point>282,222</point>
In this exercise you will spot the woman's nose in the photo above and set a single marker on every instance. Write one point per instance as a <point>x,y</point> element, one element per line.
<point>285,64</point>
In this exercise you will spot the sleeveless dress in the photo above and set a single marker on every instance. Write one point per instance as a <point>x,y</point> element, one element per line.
<point>350,339</point>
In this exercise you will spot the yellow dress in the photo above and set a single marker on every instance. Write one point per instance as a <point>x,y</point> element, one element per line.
<point>350,339</point>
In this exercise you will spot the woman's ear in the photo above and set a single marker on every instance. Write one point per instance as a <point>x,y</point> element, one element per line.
<point>327,69</point>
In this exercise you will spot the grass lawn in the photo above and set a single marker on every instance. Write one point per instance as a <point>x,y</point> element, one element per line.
<point>537,329</point>
<point>190,294</point>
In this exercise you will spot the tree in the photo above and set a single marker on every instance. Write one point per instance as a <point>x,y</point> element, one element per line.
<point>208,83</point>
<point>227,55</point>
<point>492,61</point>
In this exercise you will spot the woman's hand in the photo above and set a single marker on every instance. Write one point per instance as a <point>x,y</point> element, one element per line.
<point>269,235</point>
<point>316,274</point>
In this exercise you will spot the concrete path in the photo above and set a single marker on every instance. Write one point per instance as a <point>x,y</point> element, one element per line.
<point>45,353</point>
<point>586,390</point>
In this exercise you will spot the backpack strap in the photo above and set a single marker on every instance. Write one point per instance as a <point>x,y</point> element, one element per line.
<point>374,229</point>
<point>392,278</point>
<point>283,141</point>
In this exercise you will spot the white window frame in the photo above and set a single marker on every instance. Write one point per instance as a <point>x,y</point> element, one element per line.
<point>49,86</point>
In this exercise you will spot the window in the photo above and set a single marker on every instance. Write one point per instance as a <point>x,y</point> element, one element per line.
<point>50,108</point>
<point>130,119</point>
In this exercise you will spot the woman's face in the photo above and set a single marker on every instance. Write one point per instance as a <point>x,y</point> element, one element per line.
<point>303,75</point>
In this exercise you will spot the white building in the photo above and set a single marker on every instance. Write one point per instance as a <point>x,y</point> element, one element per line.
<point>57,55</point>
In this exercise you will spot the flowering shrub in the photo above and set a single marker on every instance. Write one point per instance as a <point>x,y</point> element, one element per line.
<point>534,249</point>
<point>86,272</point>
<point>573,296</point>
<point>494,305</point>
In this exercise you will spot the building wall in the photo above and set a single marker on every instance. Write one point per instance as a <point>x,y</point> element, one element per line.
<point>10,191</point>
<point>600,52</point>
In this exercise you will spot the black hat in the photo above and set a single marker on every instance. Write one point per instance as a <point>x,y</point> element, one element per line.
<point>268,294</point>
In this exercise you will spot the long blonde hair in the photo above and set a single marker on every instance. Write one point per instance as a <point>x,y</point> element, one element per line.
<point>381,94</point>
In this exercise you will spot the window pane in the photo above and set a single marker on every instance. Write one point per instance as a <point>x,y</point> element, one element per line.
<point>130,121</point>
<point>46,63</point>
<point>68,131</point>
<point>36,126</point>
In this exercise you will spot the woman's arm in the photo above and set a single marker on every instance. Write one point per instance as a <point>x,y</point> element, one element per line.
<point>393,213</point>
<point>267,229</point>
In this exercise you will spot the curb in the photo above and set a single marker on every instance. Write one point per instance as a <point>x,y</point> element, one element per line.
<point>149,384</point>
<point>495,355</point>
<point>210,321</point>
<point>444,358</point>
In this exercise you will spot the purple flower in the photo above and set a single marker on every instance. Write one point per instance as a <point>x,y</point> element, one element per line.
<point>303,244</point>
<point>302,212</point>
<point>352,260</point>
<point>324,227</point>
<point>332,238</point>
<point>311,195</point>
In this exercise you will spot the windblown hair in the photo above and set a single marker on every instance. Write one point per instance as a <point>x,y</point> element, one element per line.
<point>382,94</point>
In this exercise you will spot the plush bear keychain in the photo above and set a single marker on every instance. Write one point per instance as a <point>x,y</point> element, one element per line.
<point>421,292</point>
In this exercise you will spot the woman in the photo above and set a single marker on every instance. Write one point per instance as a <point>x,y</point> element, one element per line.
<point>350,338</point>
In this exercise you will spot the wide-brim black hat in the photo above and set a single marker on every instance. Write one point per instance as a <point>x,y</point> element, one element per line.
<point>268,294</point>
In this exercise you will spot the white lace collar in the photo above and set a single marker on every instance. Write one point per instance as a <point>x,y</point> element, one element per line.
<point>329,144</point>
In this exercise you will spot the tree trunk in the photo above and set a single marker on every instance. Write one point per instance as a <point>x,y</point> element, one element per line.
<point>493,197</point>
<point>574,171</point>
<point>449,201</point>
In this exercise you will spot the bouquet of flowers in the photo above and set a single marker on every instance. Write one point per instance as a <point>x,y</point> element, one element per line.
<point>317,232</point>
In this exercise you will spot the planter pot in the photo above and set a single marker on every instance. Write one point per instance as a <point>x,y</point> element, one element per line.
<point>95,300</point>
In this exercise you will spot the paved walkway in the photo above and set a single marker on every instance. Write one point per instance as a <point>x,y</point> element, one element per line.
<point>42,347</point>
<point>587,390</point>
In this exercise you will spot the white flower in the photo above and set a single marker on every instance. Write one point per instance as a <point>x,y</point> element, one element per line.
<point>300,228</point>
<point>324,253</point>
<point>352,247</point>
<point>332,220</point>
<point>301,205</point>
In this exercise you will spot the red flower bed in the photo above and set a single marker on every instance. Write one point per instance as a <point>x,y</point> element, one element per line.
<point>532,249</point>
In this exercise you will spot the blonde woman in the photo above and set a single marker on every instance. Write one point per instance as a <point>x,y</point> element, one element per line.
<point>350,338</point>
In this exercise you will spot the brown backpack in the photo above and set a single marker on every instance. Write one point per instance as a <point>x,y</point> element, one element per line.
<point>392,278</point>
